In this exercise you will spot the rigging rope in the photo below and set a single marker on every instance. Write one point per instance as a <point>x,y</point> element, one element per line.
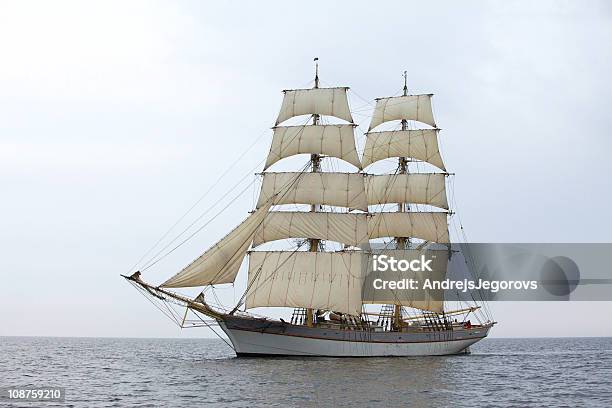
<point>152,261</point>
<point>198,201</point>
<point>149,265</point>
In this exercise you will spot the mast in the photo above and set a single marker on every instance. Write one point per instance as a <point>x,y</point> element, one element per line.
<point>404,188</point>
<point>315,188</point>
<point>403,169</point>
<point>401,207</point>
<point>315,164</point>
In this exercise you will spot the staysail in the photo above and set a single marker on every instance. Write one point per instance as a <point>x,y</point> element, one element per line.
<point>220,263</point>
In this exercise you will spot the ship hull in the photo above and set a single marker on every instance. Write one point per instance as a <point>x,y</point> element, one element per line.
<point>258,337</point>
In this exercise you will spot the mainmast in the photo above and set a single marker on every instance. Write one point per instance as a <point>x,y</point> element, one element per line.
<point>405,188</point>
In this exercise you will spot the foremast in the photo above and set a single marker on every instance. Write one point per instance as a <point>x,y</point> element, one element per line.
<point>401,242</point>
<point>315,164</point>
<point>313,279</point>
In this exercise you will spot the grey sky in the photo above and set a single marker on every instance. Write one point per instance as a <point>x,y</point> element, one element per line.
<point>116,116</point>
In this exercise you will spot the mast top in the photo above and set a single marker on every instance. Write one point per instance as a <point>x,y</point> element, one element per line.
<point>405,83</point>
<point>316,82</point>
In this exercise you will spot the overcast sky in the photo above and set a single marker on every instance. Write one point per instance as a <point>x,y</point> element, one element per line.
<point>115,117</point>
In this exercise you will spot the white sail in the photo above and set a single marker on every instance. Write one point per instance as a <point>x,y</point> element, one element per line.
<point>421,144</point>
<point>337,189</point>
<point>220,263</point>
<point>331,140</point>
<point>422,297</point>
<point>346,228</point>
<point>417,188</point>
<point>320,101</point>
<point>317,280</point>
<point>430,226</point>
<point>409,107</point>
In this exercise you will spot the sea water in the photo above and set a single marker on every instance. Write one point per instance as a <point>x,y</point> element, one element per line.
<point>113,372</point>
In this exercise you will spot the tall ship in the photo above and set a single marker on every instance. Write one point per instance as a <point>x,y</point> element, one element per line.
<point>327,226</point>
